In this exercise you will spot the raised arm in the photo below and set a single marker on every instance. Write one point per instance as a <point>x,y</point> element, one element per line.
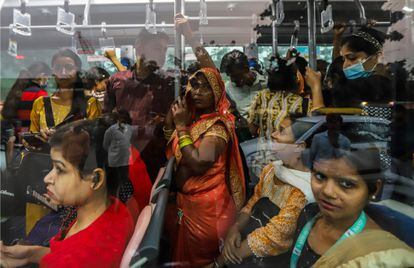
<point>183,27</point>
<point>337,39</point>
<point>313,79</point>
<point>110,54</point>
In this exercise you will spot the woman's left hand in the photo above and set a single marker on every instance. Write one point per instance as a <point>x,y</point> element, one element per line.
<point>312,78</point>
<point>181,115</point>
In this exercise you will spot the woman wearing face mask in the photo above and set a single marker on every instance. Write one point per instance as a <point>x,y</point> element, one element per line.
<point>209,176</point>
<point>336,232</point>
<point>69,99</point>
<point>366,79</point>
<point>100,232</point>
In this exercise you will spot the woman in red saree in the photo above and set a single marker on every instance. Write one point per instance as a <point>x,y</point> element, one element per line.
<point>209,176</point>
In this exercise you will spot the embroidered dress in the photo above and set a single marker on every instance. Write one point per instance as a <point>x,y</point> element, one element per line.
<point>276,236</point>
<point>270,108</point>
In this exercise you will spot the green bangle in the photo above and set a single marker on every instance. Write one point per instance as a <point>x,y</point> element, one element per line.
<point>183,137</point>
<point>185,142</point>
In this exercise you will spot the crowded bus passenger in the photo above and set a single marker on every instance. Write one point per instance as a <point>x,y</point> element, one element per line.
<point>209,178</point>
<point>30,85</point>
<point>146,92</point>
<point>244,82</point>
<point>95,84</point>
<point>330,143</point>
<point>336,231</point>
<point>281,97</point>
<point>117,142</point>
<point>97,237</point>
<point>68,102</point>
<point>264,229</point>
<point>367,80</point>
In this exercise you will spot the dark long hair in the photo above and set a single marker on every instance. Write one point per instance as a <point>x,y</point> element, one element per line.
<point>282,77</point>
<point>76,141</point>
<point>94,75</point>
<point>357,43</point>
<point>79,100</point>
<point>23,81</point>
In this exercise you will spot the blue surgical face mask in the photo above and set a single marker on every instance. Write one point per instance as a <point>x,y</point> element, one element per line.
<point>357,70</point>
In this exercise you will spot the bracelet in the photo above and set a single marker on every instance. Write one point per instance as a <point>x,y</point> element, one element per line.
<point>184,142</point>
<point>184,137</point>
<point>167,133</point>
<point>167,130</point>
<point>167,136</point>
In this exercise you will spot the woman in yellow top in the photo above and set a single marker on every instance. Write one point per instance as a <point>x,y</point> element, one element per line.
<point>68,100</point>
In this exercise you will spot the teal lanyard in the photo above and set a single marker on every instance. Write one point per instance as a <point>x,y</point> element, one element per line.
<point>356,228</point>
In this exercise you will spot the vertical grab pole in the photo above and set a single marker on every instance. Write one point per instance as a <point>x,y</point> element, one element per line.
<point>312,33</point>
<point>274,38</point>
<point>274,29</point>
<point>179,42</point>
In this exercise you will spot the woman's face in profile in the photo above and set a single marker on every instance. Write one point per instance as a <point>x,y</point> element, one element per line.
<point>285,133</point>
<point>339,190</point>
<point>64,183</point>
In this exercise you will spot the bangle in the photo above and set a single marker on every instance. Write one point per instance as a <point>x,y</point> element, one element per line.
<point>167,133</point>
<point>167,136</point>
<point>184,142</point>
<point>167,130</point>
<point>184,137</point>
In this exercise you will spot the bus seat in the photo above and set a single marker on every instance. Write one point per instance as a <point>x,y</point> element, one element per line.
<point>393,221</point>
<point>157,180</point>
<point>140,228</point>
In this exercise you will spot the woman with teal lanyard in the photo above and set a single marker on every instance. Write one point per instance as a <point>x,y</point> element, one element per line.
<point>336,231</point>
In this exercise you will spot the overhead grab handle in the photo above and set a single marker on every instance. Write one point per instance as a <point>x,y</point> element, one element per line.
<point>295,36</point>
<point>21,20</point>
<point>203,13</point>
<point>105,42</point>
<point>253,33</point>
<point>278,14</point>
<point>362,17</point>
<point>151,18</point>
<point>86,14</point>
<point>65,20</point>
<point>327,22</point>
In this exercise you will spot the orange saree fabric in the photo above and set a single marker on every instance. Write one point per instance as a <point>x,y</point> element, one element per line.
<point>206,206</point>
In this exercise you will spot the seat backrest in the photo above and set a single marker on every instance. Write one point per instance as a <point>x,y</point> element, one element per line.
<point>140,228</point>
<point>393,221</point>
<point>157,180</point>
